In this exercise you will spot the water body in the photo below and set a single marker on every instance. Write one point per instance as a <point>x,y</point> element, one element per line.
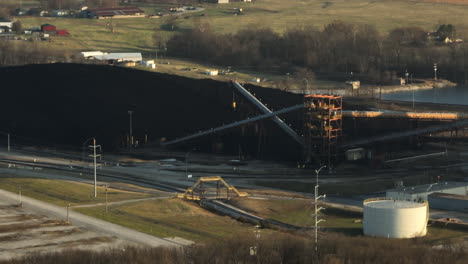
<point>452,95</point>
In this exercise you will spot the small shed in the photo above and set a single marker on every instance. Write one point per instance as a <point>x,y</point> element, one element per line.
<point>48,28</point>
<point>212,72</point>
<point>355,154</point>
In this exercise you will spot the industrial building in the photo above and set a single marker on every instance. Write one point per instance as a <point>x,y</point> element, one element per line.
<point>323,126</point>
<point>447,201</point>
<point>390,218</point>
<point>113,57</point>
<point>421,192</point>
<point>115,12</point>
<point>7,23</point>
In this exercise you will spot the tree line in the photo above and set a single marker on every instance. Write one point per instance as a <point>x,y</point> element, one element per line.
<point>20,52</point>
<point>339,47</point>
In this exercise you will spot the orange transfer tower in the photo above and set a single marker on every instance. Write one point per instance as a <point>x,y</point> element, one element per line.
<point>322,127</point>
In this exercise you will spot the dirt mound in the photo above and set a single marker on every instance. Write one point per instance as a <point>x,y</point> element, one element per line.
<point>68,103</point>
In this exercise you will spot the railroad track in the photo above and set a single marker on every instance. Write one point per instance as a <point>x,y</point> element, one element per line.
<point>80,169</point>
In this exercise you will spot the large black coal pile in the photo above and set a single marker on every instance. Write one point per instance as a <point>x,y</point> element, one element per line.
<point>65,104</point>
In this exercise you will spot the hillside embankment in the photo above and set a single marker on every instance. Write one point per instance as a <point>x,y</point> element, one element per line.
<point>56,105</point>
<point>65,104</point>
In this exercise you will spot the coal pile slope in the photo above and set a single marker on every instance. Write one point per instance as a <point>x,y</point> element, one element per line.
<point>68,103</point>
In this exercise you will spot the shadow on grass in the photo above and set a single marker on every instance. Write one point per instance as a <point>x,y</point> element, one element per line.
<point>349,231</point>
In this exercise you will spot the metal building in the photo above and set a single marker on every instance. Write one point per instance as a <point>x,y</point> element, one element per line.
<point>394,218</point>
<point>447,201</point>
<point>421,192</point>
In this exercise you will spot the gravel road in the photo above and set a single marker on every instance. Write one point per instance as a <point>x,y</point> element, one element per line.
<point>86,222</point>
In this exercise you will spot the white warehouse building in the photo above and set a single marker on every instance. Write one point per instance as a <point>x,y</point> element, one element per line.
<point>421,192</point>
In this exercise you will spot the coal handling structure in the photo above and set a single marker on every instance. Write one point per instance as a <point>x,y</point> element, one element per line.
<point>323,127</point>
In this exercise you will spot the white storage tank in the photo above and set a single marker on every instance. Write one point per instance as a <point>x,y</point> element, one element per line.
<point>384,217</point>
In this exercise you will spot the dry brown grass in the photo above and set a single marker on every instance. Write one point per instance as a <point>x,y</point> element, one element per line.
<point>459,2</point>
<point>272,249</point>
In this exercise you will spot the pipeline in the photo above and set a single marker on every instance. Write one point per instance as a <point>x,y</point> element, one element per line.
<point>414,132</point>
<point>403,115</point>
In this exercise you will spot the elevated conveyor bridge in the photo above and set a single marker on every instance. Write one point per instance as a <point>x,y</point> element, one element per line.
<point>201,190</point>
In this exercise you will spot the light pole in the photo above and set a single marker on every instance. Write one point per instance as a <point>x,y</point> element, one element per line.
<point>435,71</point>
<point>130,113</point>
<point>317,210</point>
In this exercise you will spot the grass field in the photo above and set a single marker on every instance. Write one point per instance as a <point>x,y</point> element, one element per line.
<point>62,193</point>
<point>300,212</point>
<point>173,218</point>
<point>135,34</point>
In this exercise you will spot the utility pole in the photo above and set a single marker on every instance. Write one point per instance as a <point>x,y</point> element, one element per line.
<point>254,250</point>
<point>68,213</point>
<point>106,200</point>
<point>8,142</point>
<point>94,147</point>
<point>317,210</point>
<point>20,197</point>
<point>406,79</point>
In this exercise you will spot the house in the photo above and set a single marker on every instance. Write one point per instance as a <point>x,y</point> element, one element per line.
<point>20,12</point>
<point>38,12</point>
<point>59,13</point>
<point>125,11</point>
<point>4,22</point>
<point>218,1</point>
<point>354,84</point>
<point>48,28</point>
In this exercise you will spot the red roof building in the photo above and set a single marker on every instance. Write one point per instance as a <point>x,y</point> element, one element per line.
<point>62,32</point>
<point>48,28</point>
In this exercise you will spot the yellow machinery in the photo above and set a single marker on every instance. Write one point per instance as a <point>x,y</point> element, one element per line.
<point>200,190</point>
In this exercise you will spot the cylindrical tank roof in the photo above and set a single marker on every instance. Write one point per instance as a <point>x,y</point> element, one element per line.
<point>392,204</point>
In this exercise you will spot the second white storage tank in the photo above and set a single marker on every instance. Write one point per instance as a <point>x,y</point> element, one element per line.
<point>394,218</point>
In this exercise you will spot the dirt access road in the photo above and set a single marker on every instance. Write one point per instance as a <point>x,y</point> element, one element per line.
<point>23,233</point>
<point>86,222</point>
